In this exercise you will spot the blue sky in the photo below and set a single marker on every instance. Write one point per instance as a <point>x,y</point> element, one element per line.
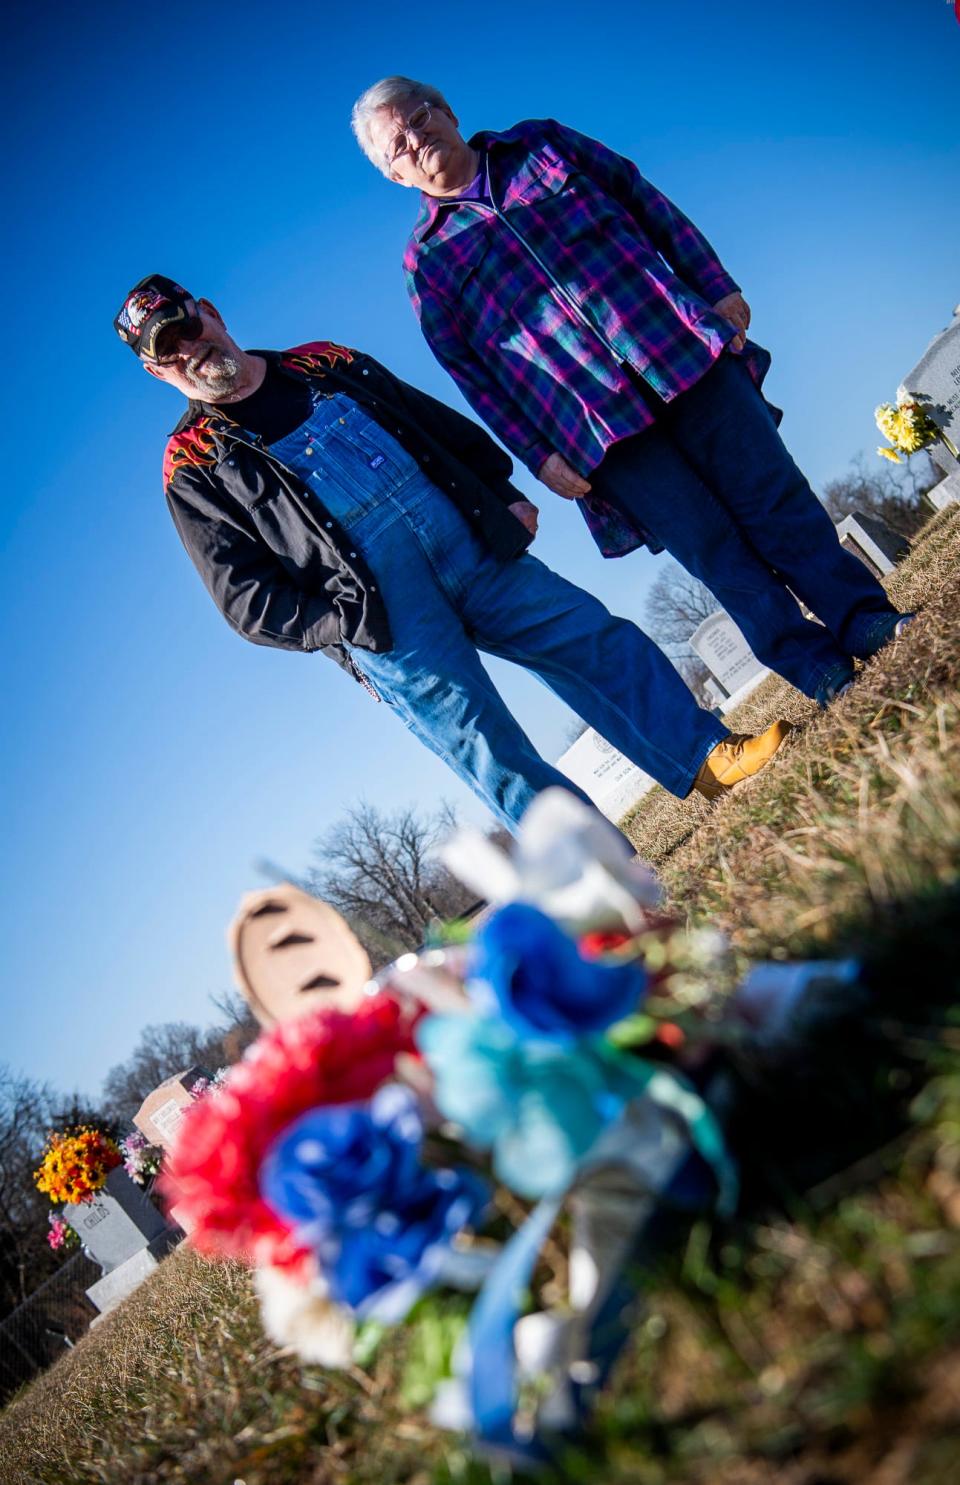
<point>149,757</point>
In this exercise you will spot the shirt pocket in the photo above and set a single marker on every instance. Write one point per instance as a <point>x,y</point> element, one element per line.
<point>357,451</point>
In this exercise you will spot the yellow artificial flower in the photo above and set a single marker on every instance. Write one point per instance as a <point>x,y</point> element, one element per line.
<point>87,1155</point>
<point>908,427</point>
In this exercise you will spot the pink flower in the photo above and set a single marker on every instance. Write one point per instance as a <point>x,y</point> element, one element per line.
<point>59,1231</point>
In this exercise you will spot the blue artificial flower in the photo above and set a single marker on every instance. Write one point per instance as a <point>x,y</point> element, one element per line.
<point>539,1105</point>
<point>526,969</point>
<point>348,1177</point>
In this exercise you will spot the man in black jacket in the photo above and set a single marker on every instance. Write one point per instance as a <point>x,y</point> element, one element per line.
<point>329,506</point>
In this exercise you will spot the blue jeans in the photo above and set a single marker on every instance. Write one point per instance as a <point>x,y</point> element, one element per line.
<point>713,483</point>
<point>447,598</point>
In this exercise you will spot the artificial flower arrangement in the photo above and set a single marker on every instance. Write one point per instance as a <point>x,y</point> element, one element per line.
<point>61,1235</point>
<point>141,1159</point>
<point>75,1164</point>
<point>909,428</point>
<point>351,1157</point>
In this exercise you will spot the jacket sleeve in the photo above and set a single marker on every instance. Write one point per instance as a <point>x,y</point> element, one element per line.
<point>460,435</point>
<point>672,233</point>
<point>243,577</point>
<point>487,397</point>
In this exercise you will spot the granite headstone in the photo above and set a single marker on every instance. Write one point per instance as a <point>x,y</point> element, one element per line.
<point>117,1222</point>
<point>935,383</point>
<point>160,1115</point>
<point>877,544</point>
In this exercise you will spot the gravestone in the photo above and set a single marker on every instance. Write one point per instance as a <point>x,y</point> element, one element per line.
<point>160,1115</point>
<point>107,1292</point>
<point>123,1231</point>
<point>610,780</point>
<point>293,953</point>
<point>935,383</point>
<point>117,1222</point>
<point>878,545</point>
<point>946,492</point>
<point>726,654</point>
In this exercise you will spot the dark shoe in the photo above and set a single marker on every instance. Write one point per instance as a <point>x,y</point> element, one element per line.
<point>738,757</point>
<point>891,627</point>
<point>836,682</point>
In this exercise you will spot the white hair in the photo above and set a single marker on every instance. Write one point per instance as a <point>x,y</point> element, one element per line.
<point>385,94</point>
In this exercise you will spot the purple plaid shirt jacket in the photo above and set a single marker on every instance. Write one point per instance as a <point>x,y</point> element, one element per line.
<point>548,304</point>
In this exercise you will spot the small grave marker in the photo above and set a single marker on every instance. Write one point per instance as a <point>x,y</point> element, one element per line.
<point>604,774</point>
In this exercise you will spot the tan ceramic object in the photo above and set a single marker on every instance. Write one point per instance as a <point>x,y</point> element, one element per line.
<point>293,953</point>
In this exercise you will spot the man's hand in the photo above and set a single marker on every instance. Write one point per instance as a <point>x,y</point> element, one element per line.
<point>734,307</point>
<point>526,513</point>
<point>558,476</point>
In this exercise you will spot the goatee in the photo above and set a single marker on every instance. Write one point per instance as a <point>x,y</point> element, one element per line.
<point>216,377</point>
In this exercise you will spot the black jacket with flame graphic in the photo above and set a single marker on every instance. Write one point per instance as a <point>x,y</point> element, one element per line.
<point>275,562</point>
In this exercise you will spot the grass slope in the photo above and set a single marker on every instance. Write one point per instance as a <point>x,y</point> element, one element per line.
<point>816,1344</point>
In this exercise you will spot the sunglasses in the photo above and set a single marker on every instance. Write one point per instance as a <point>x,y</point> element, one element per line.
<point>170,337</point>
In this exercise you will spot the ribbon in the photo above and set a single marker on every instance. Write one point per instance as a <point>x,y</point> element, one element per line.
<point>667,1168</point>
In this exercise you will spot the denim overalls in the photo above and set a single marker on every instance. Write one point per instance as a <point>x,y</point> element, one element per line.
<point>447,597</point>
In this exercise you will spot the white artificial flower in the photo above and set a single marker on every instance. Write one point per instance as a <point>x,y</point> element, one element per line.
<point>567,860</point>
<point>304,1317</point>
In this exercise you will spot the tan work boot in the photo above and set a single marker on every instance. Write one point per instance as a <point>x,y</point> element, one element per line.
<point>737,758</point>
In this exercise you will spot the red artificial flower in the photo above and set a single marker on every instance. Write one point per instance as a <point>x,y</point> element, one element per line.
<point>595,945</point>
<point>212,1173</point>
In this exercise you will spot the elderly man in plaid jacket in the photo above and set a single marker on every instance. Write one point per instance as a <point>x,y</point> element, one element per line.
<point>594,329</point>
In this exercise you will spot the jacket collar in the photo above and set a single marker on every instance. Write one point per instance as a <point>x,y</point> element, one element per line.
<point>218,411</point>
<point>431,207</point>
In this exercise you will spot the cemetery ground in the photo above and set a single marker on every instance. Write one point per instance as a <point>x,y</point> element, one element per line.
<point>814,1341</point>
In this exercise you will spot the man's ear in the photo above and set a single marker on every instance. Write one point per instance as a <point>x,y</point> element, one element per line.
<point>156,371</point>
<point>210,309</point>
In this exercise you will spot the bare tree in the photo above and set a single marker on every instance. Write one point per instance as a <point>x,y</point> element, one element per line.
<point>894,492</point>
<point>381,872</point>
<point>677,605</point>
<point>25,1259</point>
<point>239,1029</point>
<point>161,1052</point>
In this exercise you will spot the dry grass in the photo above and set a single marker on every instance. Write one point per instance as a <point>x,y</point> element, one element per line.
<point>817,1346</point>
<point>180,1384</point>
<point>861,810</point>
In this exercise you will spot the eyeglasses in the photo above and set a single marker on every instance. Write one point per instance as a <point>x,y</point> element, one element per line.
<point>416,123</point>
<point>165,348</point>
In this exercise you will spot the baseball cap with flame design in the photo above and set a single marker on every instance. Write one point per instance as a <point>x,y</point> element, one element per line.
<point>150,306</point>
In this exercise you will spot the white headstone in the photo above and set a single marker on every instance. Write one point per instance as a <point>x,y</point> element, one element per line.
<point>935,383</point>
<point>611,780</point>
<point>725,652</point>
